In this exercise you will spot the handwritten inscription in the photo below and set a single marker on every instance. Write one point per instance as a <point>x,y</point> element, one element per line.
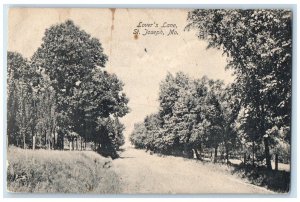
<point>155,29</point>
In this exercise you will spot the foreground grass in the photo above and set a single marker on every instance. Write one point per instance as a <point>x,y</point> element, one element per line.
<point>46,171</point>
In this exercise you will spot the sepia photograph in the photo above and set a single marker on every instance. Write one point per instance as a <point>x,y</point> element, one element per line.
<point>148,101</point>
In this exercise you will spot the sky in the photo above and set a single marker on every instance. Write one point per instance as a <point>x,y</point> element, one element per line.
<point>141,62</point>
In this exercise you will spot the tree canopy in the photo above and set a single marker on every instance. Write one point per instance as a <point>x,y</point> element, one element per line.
<point>258,44</point>
<point>252,112</point>
<point>72,95</point>
<point>194,114</point>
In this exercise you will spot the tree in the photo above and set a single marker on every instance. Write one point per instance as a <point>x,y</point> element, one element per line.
<point>258,46</point>
<point>194,114</point>
<point>95,109</point>
<point>214,115</point>
<point>22,80</point>
<point>68,56</point>
<point>138,135</point>
<point>230,106</point>
<point>198,100</point>
<point>63,92</point>
<point>153,140</point>
<point>172,111</point>
<point>15,64</point>
<point>118,129</point>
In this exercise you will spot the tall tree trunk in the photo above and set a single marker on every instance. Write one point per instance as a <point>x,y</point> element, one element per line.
<point>253,153</point>
<point>216,153</point>
<point>227,156</point>
<point>23,118</point>
<point>84,143</point>
<point>48,140</point>
<point>200,151</point>
<point>53,142</point>
<point>62,145</point>
<point>24,141</point>
<point>77,143</point>
<point>49,144</point>
<point>33,142</point>
<point>44,133</point>
<point>267,153</point>
<point>276,162</point>
<point>197,154</point>
<point>72,143</point>
<point>226,131</point>
<point>227,151</point>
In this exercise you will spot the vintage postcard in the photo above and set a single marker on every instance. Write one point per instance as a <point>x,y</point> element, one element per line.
<point>149,101</point>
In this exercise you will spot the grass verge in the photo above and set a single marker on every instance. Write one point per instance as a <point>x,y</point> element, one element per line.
<point>278,181</point>
<point>48,171</point>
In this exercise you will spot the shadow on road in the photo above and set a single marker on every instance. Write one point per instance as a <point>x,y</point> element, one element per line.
<point>126,157</point>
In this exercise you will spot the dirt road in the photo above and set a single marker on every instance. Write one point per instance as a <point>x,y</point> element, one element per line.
<point>141,172</point>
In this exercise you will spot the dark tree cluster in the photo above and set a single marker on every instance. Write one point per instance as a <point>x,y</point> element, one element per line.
<point>196,116</point>
<point>62,93</point>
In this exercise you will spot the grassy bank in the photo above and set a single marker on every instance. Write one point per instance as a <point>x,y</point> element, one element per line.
<point>48,171</point>
<point>278,181</point>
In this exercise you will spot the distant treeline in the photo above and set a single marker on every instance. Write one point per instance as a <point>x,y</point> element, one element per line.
<point>250,117</point>
<point>62,92</point>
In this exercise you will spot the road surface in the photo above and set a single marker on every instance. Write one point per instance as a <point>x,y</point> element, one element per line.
<point>142,173</point>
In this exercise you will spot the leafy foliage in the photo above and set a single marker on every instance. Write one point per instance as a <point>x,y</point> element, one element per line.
<point>251,115</point>
<point>193,115</point>
<point>64,93</point>
<point>258,46</point>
